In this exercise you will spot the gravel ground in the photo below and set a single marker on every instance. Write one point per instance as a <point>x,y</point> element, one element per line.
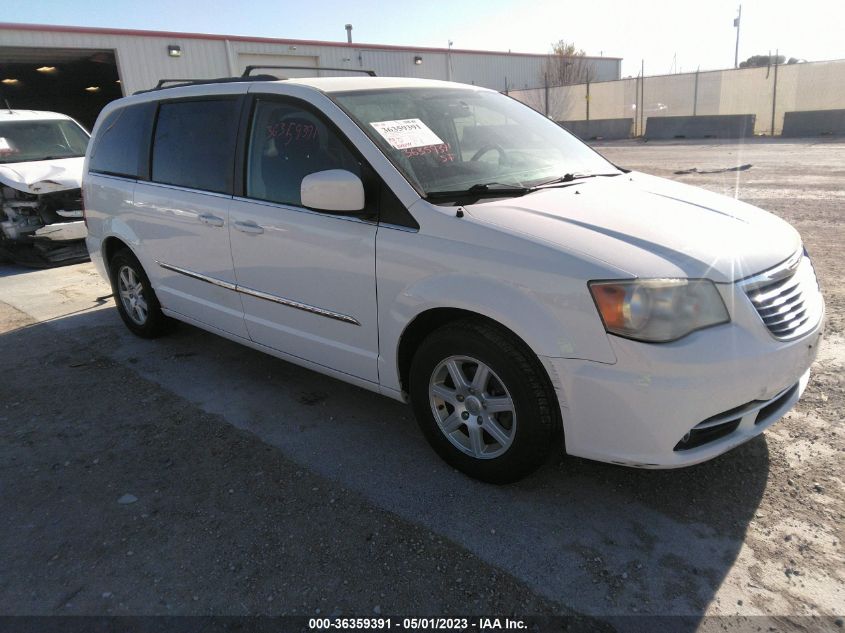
<point>191,475</point>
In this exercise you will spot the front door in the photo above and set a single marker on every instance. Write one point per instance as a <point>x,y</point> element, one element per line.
<point>306,278</point>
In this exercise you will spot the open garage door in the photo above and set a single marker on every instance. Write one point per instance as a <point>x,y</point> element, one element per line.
<point>76,82</point>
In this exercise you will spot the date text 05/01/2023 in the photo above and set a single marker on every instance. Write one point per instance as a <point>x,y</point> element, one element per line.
<point>417,624</point>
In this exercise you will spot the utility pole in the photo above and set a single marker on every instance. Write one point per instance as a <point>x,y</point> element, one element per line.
<point>737,20</point>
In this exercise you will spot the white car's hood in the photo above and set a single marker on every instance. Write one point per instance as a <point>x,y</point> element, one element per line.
<point>43,176</point>
<point>649,226</point>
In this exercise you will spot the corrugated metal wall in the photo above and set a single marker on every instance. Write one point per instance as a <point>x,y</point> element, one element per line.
<point>142,59</point>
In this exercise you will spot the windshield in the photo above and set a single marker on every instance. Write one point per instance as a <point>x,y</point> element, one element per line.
<point>451,139</point>
<point>22,141</point>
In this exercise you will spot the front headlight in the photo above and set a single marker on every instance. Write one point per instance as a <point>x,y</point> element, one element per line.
<point>658,310</point>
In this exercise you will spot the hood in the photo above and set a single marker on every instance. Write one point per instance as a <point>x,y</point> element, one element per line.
<point>649,226</point>
<point>43,176</point>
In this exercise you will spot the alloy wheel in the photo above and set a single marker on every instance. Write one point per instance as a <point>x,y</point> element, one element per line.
<point>472,407</point>
<point>131,291</point>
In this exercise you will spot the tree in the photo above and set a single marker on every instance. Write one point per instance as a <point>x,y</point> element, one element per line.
<point>567,65</point>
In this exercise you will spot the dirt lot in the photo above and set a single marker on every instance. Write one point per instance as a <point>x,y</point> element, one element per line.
<point>190,475</point>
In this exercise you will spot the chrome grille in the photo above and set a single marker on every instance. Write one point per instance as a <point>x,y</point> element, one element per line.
<point>787,297</point>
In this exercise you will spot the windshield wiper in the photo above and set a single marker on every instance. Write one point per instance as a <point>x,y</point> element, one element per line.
<point>565,179</point>
<point>493,189</point>
<point>482,190</point>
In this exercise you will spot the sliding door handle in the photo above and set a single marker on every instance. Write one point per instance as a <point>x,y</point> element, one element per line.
<point>249,227</point>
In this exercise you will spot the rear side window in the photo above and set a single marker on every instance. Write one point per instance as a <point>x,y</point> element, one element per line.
<point>118,145</point>
<point>194,144</point>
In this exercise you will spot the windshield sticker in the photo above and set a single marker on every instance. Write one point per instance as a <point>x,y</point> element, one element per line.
<point>406,133</point>
<point>443,152</point>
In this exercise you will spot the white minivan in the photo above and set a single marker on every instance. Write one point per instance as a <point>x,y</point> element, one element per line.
<point>446,245</point>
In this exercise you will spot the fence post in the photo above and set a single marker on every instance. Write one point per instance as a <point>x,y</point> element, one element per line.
<point>547,93</point>
<point>637,110</point>
<point>695,95</point>
<point>588,101</point>
<point>642,98</point>
<point>775,92</point>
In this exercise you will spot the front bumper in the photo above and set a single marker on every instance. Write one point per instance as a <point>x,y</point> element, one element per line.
<point>62,231</point>
<point>636,411</point>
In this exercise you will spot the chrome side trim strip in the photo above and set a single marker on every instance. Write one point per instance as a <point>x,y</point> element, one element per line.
<point>192,274</point>
<point>338,316</point>
<point>299,306</point>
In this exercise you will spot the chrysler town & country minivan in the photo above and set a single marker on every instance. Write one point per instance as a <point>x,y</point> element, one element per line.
<point>445,245</point>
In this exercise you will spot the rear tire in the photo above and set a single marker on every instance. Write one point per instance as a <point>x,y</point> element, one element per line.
<point>483,401</point>
<point>135,298</point>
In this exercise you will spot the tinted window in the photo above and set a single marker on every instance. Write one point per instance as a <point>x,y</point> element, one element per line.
<point>194,144</point>
<point>287,143</point>
<point>392,211</point>
<point>117,148</point>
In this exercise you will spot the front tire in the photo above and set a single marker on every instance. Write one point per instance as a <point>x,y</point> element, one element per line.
<point>483,401</point>
<point>135,298</point>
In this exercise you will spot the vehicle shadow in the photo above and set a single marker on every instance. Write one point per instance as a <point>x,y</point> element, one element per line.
<point>600,539</point>
<point>8,269</point>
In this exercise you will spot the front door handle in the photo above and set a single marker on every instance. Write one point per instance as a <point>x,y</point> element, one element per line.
<point>211,220</point>
<point>249,227</point>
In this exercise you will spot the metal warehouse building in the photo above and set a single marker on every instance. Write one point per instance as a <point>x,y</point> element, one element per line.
<point>77,70</point>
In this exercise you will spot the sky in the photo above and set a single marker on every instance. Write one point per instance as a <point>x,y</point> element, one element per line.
<point>667,35</point>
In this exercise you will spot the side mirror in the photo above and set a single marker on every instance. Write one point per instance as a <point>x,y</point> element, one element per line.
<point>333,190</point>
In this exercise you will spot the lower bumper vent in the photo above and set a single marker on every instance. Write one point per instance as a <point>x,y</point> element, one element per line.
<point>698,437</point>
<point>766,412</point>
<point>725,423</point>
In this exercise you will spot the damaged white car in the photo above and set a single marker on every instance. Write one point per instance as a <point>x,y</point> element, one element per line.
<point>41,156</point>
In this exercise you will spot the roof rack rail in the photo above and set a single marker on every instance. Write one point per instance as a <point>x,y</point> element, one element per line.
<point>249,69</point>
<point>178,83</point>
